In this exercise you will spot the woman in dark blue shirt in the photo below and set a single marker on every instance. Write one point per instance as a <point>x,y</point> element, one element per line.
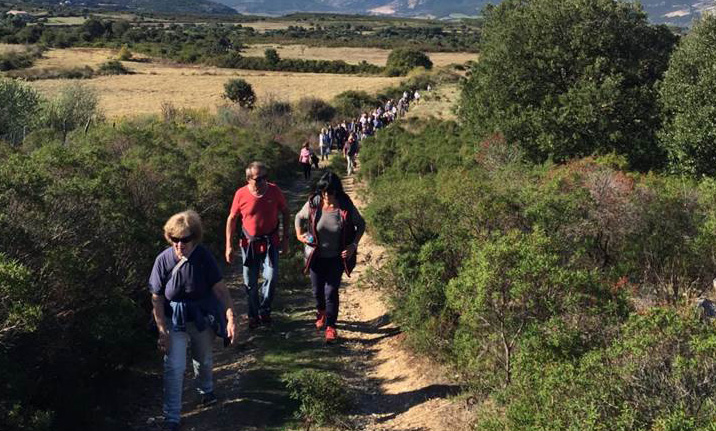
<point>190,304</point>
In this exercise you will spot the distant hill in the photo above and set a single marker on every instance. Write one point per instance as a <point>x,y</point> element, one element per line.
<point>660,11</point>
<point>164,6</point>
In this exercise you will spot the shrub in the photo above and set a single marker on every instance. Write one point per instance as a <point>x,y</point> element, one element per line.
<point>113,67</point>
<point>314,109</point>
<point>240,92</point>
<point>75,106</point>
<point>19,104</point>
<point>124,53</point>
<point>401,61</point>
<point>350,103</point>
<point>321,395</point>
<point>83,72</point>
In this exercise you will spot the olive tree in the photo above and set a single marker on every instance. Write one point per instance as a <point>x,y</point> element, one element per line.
<point>75,106</point>
<point>19,106</point>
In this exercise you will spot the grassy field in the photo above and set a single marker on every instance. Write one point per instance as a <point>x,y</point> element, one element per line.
<point>191,86</point>
<point>66,20</point>
<point>352,55</point>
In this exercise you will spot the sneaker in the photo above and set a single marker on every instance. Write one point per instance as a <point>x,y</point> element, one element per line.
<point>266,320</point>
<point>208,399</point>
<point>320,319</point>
<point>331,334</point>
<point>254,322</point>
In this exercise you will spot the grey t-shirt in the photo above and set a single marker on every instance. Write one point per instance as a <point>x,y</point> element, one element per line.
<point>329,228</point>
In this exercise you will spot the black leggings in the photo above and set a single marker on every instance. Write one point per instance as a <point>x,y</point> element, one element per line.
<point>306,170</point>
<point>326,274</point>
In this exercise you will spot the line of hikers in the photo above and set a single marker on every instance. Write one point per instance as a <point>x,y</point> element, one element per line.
<point>191,303</point>
<point>346,136</point>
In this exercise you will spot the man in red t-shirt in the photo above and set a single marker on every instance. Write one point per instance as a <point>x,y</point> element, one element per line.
<point>257,207</point>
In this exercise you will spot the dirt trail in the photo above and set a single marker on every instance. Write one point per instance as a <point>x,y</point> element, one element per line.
<point>402,391</point>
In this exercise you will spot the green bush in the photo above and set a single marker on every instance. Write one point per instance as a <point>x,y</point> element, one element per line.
<point>315,109</point>
<point>654,376</point>
<point>321,394</point>
<point>240,92</point>
<point>351,103</point>
<point>20,106</point>
<point>113,67</point>
<point>403,60</point>
<point>75,106</point>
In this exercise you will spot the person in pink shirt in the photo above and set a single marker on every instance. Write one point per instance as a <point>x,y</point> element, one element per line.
<point>257,207</point>
<point>304,158</point>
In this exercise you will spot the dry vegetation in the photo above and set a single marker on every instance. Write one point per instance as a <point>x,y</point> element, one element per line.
<point>353,55</point>
<point>6,47</point>
<point>192,86</point>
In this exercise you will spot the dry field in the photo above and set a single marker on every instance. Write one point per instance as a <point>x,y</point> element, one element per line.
<point>191,86</point>
<point>352,55</point>
<point>262,26</point>
<point>7,47</point>
<point>66,20</point>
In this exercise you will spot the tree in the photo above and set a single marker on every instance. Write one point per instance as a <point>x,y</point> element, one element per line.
<point>272,56</point>
<point>19,104</point>
<point>403,60</point>
<point>569,78</point>
<point>240,92</point>
<point>689,102</point>
<point>74,107</point>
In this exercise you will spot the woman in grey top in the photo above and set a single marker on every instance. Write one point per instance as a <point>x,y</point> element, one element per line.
<point>330,226</point>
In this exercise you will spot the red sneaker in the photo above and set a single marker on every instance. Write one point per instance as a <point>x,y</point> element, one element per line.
<point>331,334</point>
<point>320,319</point>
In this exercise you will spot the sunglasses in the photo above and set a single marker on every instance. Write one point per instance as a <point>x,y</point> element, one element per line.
<point>260,178</point>
<point>184,240</point>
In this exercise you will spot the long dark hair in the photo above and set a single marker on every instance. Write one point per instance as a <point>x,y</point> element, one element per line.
<point>331,183</point>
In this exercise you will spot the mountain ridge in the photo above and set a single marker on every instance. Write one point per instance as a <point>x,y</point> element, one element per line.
<point>659,11</point>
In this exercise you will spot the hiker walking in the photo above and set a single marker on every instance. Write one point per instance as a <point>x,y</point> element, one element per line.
<point>190,305</point>
<point>324,144</point>
<point>331,227</point>
<point>257,206</point>
<point>304,158</point>
<point>350,149</point>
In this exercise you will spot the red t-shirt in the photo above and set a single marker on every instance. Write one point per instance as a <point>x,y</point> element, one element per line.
<point>259,216</point>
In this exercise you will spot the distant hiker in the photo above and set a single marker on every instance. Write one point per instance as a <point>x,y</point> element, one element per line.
<point>429,88</point>
<point>324,144</point>
<point>350,149</point>
<point>416,96</point>
<point>190,305</point>
<point>331,227</point>
<point>304,158</point>
<point>257,207</point>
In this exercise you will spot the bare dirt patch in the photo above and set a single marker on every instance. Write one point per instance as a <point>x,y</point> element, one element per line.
<point>189,86</point>
<point>352,55</point>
